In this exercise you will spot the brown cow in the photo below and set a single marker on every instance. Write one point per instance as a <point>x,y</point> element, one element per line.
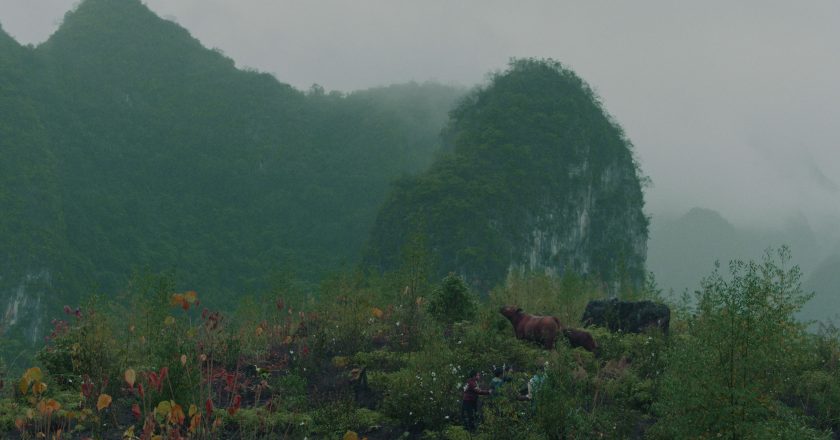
<point>540,329</point>
<point>580,338</point>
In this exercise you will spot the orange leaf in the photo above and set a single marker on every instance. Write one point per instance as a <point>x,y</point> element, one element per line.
<point>52,405</point>
<point>24,386</point>
<point>176,415</point>
<point>234,406</point>
<point>46,407</point>
<point>39,388</point>
<point>377,312</point>
<point>177,299</point>
<point>194,423</point>
<point>103,402</point>
<point>191,296</point>
<point>350,435</point>
<point>20,424</point>
<point>130,377</point>
<point>33,374</point>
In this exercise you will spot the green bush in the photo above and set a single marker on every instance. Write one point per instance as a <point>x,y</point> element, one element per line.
<point>426,394</point>
<point>452,301</point>
<point>741,355</point>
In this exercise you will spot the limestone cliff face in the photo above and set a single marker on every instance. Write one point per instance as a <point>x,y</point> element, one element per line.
<point>22,306</point>
<point>537,178</point>
<point>582,232</point>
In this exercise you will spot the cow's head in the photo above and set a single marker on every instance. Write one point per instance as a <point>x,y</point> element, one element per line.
<point>510,312</point>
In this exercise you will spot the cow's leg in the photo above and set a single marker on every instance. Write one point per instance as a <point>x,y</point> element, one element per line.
<point>549,337</point>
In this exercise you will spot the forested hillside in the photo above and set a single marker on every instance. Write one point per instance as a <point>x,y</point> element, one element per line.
<point>127,145</point>
<point>536,177</point>
<point>189,250</point>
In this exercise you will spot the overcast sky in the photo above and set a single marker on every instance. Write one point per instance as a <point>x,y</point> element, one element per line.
<point>732,105</point>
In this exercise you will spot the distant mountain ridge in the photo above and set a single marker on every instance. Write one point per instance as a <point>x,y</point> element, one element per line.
<point>682,251</point>
<point>125,144</point>
<point>824,281</point>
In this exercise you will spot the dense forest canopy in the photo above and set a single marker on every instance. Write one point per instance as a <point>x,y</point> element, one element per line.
<point>129,146</point>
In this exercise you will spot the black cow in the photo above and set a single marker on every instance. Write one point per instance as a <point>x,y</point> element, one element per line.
<point>627,316</point>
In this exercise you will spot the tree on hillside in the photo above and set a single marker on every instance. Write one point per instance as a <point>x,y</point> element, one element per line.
<point>728,374</point>
<point>452,301</point>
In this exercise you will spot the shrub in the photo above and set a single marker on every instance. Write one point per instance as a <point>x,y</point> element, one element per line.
<point>425,394</point>
<point>452,301</point>
<point>727,375</point>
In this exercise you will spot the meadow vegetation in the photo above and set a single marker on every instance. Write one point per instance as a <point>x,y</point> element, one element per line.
<point>386,356</point>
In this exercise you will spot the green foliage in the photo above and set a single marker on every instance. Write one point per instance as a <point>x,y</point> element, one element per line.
<point>425,394</point>
<point>817,391</point>
<point>259,423</point>
<point>297,384</point>
<point>505,417</point>
<point>741,354</point>
<point>452,301</point>
<point>83,344</point>
<point>332,421</point>
<point>126,144</point>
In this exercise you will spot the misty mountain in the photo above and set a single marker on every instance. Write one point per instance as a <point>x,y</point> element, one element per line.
<point>682,251</point>
<point>824,281</point>
<point>127,145</point>
<point>537,177</point>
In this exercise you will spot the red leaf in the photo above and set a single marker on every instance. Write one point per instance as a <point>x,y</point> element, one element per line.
<point>208,406</point>
<point>135,409</point>
<point>234,407</point>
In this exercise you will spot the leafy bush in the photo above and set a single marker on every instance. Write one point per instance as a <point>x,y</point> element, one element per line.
<point>452,301</point>
<point>741,354</point>
<point>425,394</point>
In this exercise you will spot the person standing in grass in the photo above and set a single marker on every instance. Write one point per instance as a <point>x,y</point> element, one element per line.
<point>469,403</point>
<point>535,383</point>
<point>497,381</point>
